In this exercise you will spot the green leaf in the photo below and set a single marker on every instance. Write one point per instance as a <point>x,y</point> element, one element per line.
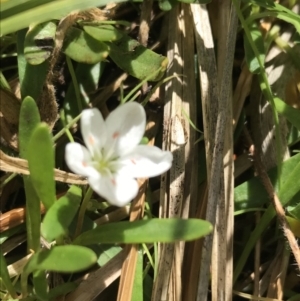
<point>146,231</point>
<point>64,259</point>
<point>40,285</point>
<point>257,38</point>
<point>39,42</point>
<point>31,77</point>
<point>106,252</point>
<point>290,113</point>
<point>103,33</point>
<point>137,60</point>
<point>82,48</point>
<point>252,194</point>
<point>4,275</point>
<point>167,5</point>
<point>40,155</point>
<point>29,120</point>
<point>60,215</point>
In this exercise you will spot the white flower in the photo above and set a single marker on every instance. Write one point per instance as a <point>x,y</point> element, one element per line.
<point>113,158</point>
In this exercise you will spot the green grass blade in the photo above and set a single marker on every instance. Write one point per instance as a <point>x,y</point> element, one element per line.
<point>137,291</point>
<point>4,275</point>
<point>31,77</point>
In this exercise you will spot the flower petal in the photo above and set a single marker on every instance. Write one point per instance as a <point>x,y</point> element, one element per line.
<point>146,161</point>
<point>79,159</point>
<point>93,130</point>
<point>125,127</point>
<point>117,190</point>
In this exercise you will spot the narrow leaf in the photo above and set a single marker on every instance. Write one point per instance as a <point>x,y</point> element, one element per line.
<point>104,33</point>
<point>39,43</point>
<point>4,275</point>
<point>32,78</point>
<point>40,157</point>
<point>251,59</point>
<point>64,259</point>
<point>146,231</point>
<point>137,291</point>
<point>29,120</point>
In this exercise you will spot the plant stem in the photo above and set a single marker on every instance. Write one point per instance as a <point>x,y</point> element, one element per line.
<point>82,210</point>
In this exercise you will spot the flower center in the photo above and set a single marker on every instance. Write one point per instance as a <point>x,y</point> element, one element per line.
<point>106,165</point>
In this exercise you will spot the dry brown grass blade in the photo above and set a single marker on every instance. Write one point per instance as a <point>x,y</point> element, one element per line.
<point>17,216</point>
<point>215,137</point>
<point>129,264</point>
<point>173,140</point>
<point>20,166</point>
<point>222,259</point>
<point>17,267</point>
<point>209,97</point>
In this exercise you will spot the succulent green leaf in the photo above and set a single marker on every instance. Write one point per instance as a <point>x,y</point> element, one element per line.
<point>40,155</point>
<point>60,215</point>
<point>146,231</point>
<point>137,60</point>
<point>82,48</point>
<point>103,33</point>
<point>64,259</point>
<point>167,5</point>
<point>28,121</point>
<point>39,42</point>
<point>32,78</point>
<point>40,284</point>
